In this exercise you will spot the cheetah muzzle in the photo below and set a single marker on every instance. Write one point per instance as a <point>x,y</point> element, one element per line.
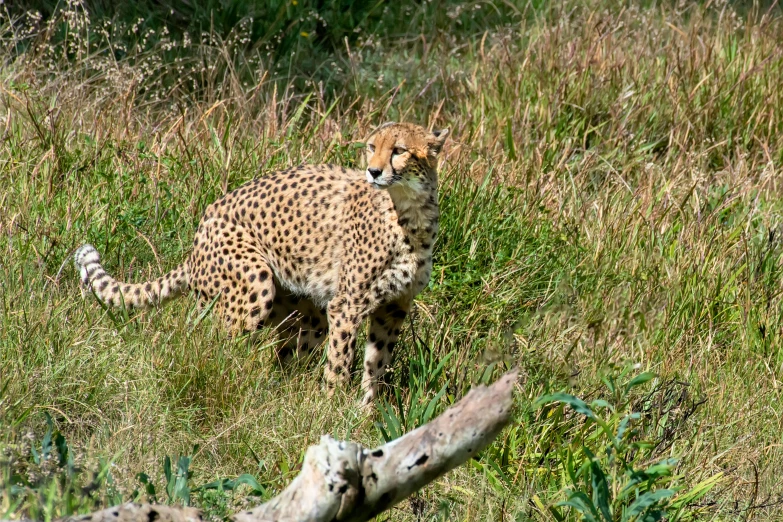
<point>311,248</point>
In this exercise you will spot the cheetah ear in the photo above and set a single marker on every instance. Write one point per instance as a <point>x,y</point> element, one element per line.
<point>436,139</point>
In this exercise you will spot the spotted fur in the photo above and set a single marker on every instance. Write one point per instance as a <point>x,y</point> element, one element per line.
<point>312,246</point>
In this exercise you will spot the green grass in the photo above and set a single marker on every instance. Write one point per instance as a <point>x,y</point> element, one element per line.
<point>611,208</point>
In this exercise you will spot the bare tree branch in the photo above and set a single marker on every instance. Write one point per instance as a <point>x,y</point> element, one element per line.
<point>131,512</point>
<point>344,481</point>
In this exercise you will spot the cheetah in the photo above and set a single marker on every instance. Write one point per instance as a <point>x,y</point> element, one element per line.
<point>311,249</point>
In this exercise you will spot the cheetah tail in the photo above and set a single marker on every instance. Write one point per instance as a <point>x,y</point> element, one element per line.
<point>116,294</point>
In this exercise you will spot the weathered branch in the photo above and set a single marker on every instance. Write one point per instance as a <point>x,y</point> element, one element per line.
<point>344,481</point>
<point>131,512</point>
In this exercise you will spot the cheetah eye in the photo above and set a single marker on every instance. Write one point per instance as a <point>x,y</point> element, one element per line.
<point>398,150</point>
<point>371,147</point>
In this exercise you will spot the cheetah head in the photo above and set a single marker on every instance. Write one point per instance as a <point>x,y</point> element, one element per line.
<point>403,154</point>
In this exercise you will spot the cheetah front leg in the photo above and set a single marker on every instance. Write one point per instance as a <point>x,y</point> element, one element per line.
<point>344,320</point>
<point>385,325</point>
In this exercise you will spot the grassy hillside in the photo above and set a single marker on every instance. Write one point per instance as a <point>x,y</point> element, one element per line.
<point>612,224</point>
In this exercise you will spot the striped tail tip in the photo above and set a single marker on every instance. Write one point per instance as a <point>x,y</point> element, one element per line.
<point>83,258</point>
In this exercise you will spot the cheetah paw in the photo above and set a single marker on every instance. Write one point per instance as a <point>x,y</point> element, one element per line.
<point>367,404</point>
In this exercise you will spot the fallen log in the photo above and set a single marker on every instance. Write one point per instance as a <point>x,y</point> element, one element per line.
<point>344,481</point>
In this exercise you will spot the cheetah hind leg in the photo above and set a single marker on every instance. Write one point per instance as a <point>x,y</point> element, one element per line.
<point>301,326</point>
<point>245,284</point>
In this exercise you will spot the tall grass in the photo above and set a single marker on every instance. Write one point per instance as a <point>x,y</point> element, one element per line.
<point>611,206</point>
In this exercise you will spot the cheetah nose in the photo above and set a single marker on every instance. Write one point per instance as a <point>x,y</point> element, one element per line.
<point>374,172</point>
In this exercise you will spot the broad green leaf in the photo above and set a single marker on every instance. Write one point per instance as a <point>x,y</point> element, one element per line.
<point>601,496</point>
<point>697,491</point>
<point>639,380</point>
<point>510,149</point>
<point>580,502</point>
<point>181,489</point>
<point>169,480</point>
<point>432,404</point>
<point>227,484</point>
<point>645,501</point>
<point>621,429</point>
<point>577,404</point>
<point>600,403</point>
